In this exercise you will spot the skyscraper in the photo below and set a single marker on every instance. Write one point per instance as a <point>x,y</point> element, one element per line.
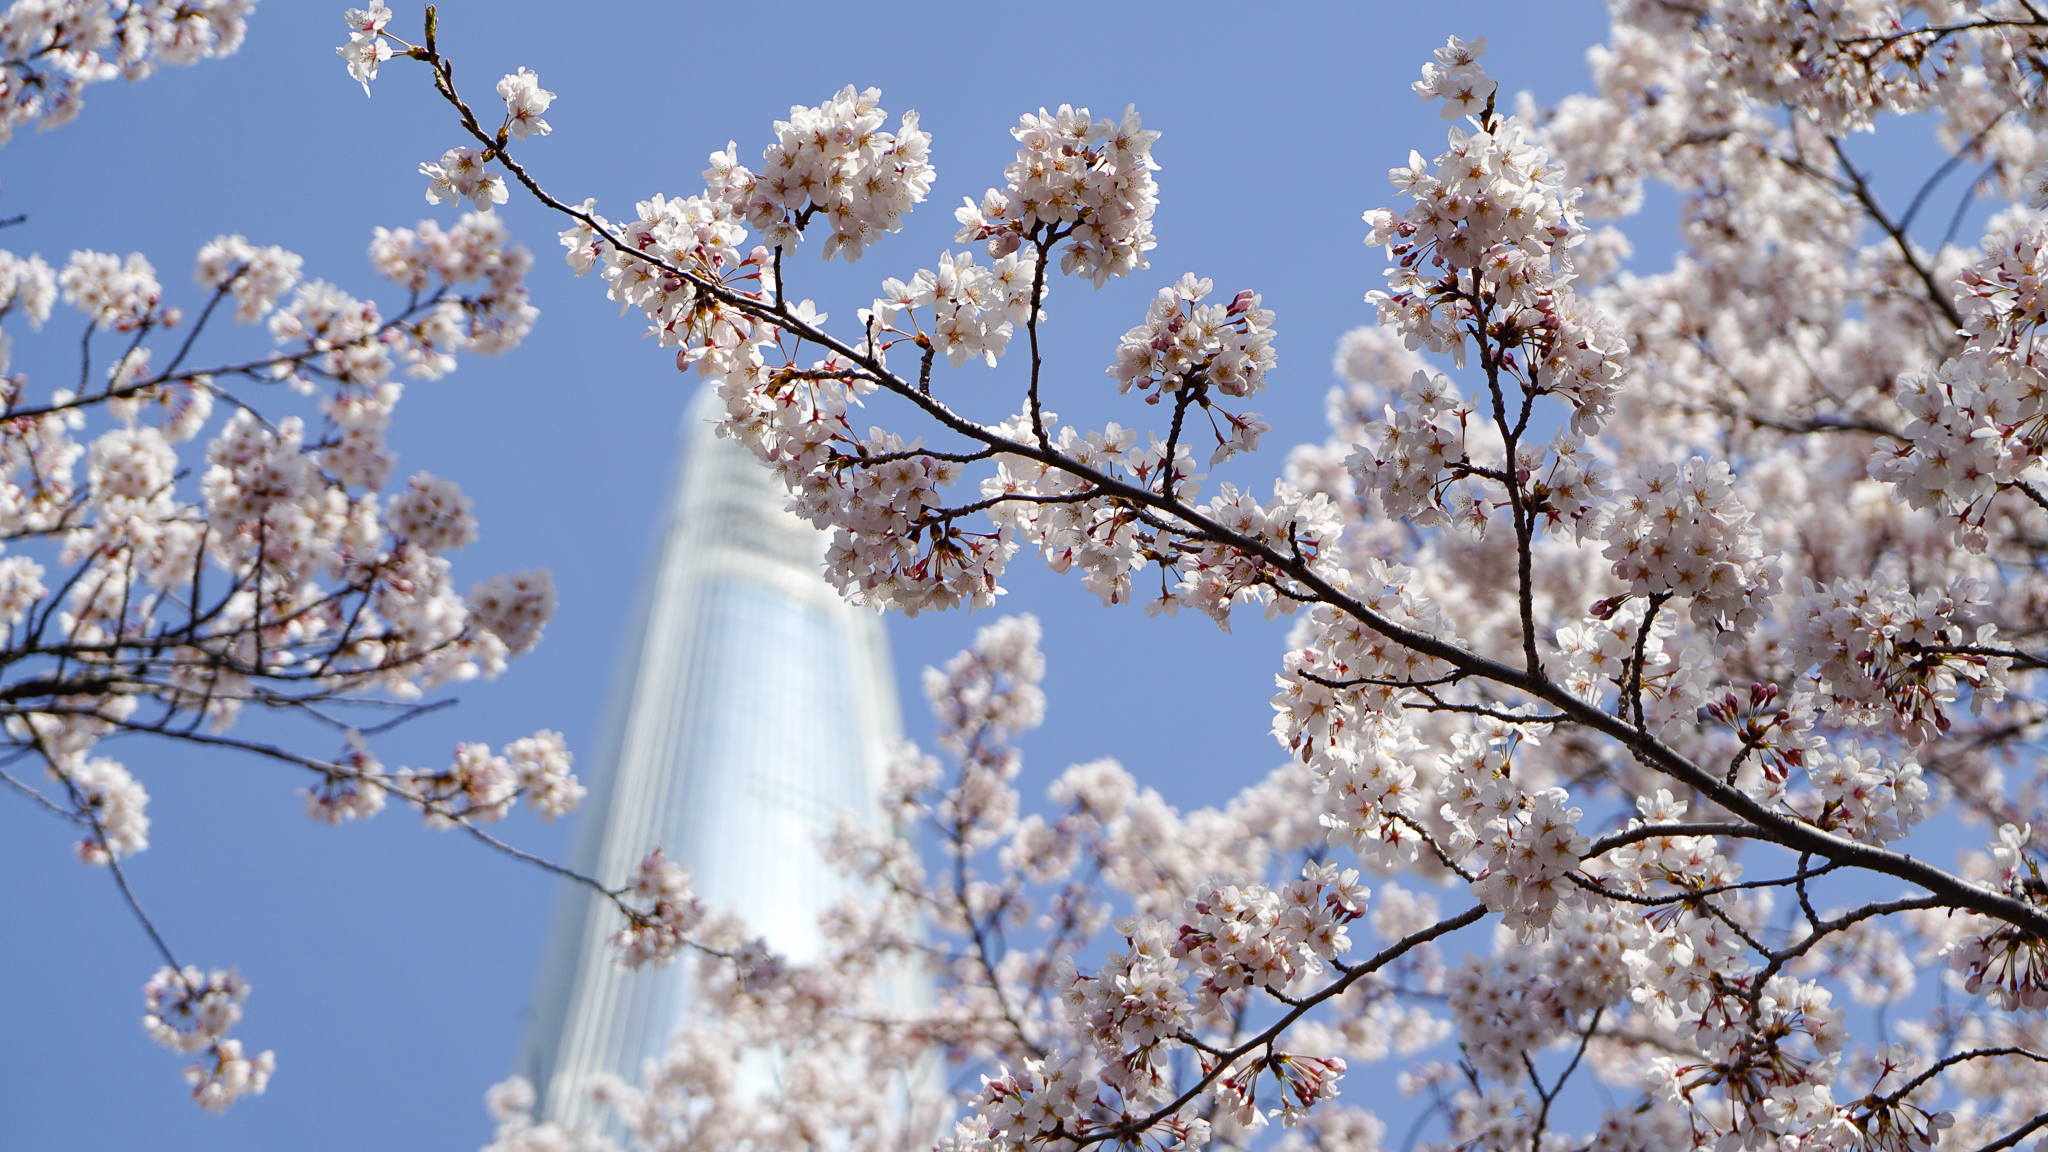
<point>752,706</point>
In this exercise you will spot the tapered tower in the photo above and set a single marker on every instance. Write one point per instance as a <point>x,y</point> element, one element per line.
<point>752,706</point>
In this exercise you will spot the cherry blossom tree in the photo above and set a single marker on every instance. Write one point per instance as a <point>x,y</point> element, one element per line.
<point>1641,621</point>
<point>1644,619</point>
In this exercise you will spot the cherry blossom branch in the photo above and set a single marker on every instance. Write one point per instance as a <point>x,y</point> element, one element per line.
<point>1798,427</point>
<point>615,895</point>
<point>2030,492</point>
<point>1696,897</point>
<point>1868,199</point>
<point>85,812</point>
<point>35,796</point>
<point>297,361</point>
<point>1377,682</point>
<point>1044,250</point>
<point>2012,1138</point>
<point>1947,1062</point>
<point>1823,929</point>
<point>1947,166</point>
<point>199,325</point>
<point>1543,1115</point>
<point>1525,582</point>
<point>1631,697</point>
<point>1646,747</point>
<point>1942,31</point>
<point>1655,753</point>
<point>1130,1128</point>
<point>1644,832</point>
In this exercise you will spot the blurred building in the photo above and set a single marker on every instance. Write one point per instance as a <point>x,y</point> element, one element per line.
<point>751,707</point>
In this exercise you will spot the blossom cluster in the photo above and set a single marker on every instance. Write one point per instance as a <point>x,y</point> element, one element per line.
<point>832,160</point>
<point>1495,222</point>
<point>671,250</point>
<point>1305,1082</point>
<point>1483,258</point>
<point>460,175</point>
<point>1531,840</point>
<point>1458,79</point>
<point>975,309</point>
<point>1413,456</point>
<point>490,322</point>
<point>366,47</point>
<point>661,931</point>
<point>1680,530</point>
<point>1865,795</point>
<point>1218,574</point>
<point>1802,1036</point>
<point>1522,997</point>
<point>983,699</point>
<point>2007,966</point>
<point>1137,1008</point>
<point>1976,424</point>
<point>1610,648</point>
<point>2000,307</point>
<point>257,278</point>
<point>480,785</point>
<point>1372,789</point>
<point>191,1011</point>
<point>525,100</point>
<point>114,804</point>
<point>1106,542</point>
<point>1030,1106</point>
<point>1257,937</point>
<point>50,50</point>
<point>878,515</point>
<point>1349,669</point>
<point>1186,345</point>
<point>1886,656</point>
<point>29,285</point>
<point>1842,63</point>
<point>514,607</point>
<point>1085,182</point>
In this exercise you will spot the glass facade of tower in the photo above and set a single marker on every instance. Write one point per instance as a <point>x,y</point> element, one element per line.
<point>752,706</point>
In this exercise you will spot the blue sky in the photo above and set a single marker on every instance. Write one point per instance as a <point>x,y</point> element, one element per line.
<point>392,965</point>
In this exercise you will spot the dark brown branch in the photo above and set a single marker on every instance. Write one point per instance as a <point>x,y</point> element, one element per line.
<point>1130,1128</point>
